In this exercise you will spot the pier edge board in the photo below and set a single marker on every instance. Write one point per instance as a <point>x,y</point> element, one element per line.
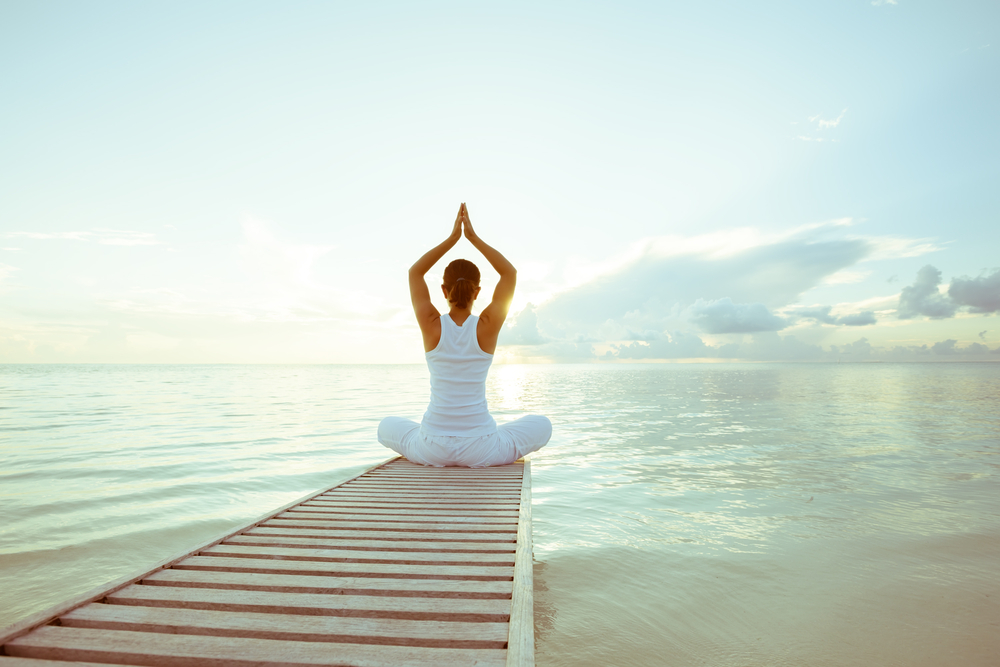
<point>38,619</point>
<point>521,632</point>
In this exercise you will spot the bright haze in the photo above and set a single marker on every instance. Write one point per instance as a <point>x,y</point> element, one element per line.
<point>249,181</point>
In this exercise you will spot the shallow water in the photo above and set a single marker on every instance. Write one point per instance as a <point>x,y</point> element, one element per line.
<point>833,514</point>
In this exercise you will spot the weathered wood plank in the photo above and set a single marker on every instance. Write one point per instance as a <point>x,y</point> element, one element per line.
<point>455,508</point>
<point>448,518</point>
<point>372,545</point>
<point>459,483</point>
<point>449,527</point>
<point>444,496</point>
<point>403,503</point>
<point>431,485</point>
<point>454,473</point>
<point>310,604</point>
<point>347,555</point>
<point>301,583</point>
<point>464,482</point>
<point>521,641</point>
<point>401,511</point>
<point>405,465</point>
<point>10,661</point>
<point>288,627</point>
<point>392,570</point>
<point>166,650</point>
<point>385,535</point>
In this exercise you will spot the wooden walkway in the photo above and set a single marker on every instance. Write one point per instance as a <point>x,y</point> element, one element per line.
<point>402,565</point>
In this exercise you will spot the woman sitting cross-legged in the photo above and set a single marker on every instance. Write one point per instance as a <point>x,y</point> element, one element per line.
<point>457,428</point>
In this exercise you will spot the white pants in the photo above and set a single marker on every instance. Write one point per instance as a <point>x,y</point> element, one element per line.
<point>510,442</point>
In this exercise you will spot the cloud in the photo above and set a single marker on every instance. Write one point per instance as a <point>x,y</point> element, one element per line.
<point>826,124</point>
<point>877,3</point>
<point>523,330</point>
<point>924,298</point>
<point>100,235</point>
<point>723,316</point>
<point>5,271</point>
<point>677,345</point>
<point>862,319</point>
<point>945,347</point>
<point>982,334</point>
<point>981,295</point>
<point>823,315</point>
<point>654,287</point>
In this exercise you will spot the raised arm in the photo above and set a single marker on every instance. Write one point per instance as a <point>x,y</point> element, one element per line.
<point>493,316</point>
<point>427,315</point>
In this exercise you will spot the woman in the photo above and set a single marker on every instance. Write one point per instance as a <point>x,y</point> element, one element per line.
<point>457,428</point>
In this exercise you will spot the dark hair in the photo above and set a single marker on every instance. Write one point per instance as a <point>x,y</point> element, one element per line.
<point>461,278</point>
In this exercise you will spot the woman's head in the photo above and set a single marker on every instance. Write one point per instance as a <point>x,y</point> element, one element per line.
<point>461,283</point>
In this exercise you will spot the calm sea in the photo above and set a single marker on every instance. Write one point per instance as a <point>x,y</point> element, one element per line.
<point>838,514</point>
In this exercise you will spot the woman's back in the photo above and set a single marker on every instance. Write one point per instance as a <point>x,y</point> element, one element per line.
<point>458,369</point>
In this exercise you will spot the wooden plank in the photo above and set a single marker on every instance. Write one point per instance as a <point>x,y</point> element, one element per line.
<point>430,502</point>
<point>407,505</point>
<point>10,661</point>
<point>299,583</point>
<point>47,615</point>
<point>371,545</point>
<point>405,465</point>
<point>444,479</point>
<point>386,535</point>
<point>443,502</point>
<point>401,511</point>
<point>392,570</point>
<point>444,527</point>
<point>521,640</point>
<point>340,629</point>
<point>167,650</point>
<point>310,604</point>
<point>431,485</point>
<point>455,473</point>
<point>398,489</point>
<point>347,555</point>
<point>295,513</point>
<point>464,485</point>
<point>443,497</point>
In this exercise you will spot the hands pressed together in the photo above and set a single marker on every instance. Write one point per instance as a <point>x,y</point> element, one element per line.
<point>462,221</point>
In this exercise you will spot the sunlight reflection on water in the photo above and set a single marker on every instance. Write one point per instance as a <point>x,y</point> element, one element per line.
<point>683,514</point>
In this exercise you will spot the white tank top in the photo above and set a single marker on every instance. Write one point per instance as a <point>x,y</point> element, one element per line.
<point>458,369</point>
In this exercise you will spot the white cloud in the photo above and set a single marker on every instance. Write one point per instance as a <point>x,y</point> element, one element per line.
<point>5,271</point>
<point>522,329</point>
<point>724,316</point>
<point>981,295</point>
<point>827,124</point>
<point>924,297</point>
<point>824,314</point>
<point>100,235</point>
<point>893,247</point>
<point>846,277</point>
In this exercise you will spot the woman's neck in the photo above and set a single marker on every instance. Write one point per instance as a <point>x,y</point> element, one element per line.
<point>460,315</point>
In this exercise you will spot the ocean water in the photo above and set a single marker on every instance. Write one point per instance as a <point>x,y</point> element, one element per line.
<point>797,514</point>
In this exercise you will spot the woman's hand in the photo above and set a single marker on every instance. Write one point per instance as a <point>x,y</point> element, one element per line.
<point>470,233</point>
<point>456,231</point>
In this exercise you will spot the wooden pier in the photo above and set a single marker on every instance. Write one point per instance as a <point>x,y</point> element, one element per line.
<point>401,565</point>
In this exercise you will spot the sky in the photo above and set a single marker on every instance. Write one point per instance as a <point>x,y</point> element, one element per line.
<point>248,182</point>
